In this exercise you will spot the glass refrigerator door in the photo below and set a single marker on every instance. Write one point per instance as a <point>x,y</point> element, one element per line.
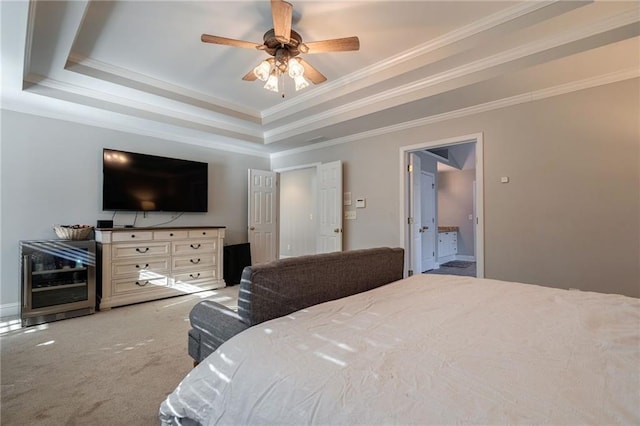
<point>58,273</point>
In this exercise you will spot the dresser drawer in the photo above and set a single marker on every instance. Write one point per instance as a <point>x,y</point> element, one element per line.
<point>203,233</point>
<point>192,263</point>
<point>141,264</point>
<point>131,236</point>
<point>141,268</point>
<point>193,247</point>
<point>142,249</point>
<point>128,285</point>
<point>170,235</point>
<point>195,277</point>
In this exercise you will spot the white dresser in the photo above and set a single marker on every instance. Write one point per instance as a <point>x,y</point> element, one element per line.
<point>142,264</point>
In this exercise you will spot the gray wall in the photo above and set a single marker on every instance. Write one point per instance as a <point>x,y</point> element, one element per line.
<point>570,216</point>
<point>52,174</point>
<point>298,219</point>
<point>455,204</point>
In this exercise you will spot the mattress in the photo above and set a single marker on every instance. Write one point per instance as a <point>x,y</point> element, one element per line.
<point>429,349</point>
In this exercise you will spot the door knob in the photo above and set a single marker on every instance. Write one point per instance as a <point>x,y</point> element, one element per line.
<point>252,228</point>
<point>337,230</point>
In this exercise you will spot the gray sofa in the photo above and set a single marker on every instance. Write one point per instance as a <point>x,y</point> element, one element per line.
<point>284,286</point>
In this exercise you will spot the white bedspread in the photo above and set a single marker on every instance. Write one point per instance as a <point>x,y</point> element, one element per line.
<point>430,349</point>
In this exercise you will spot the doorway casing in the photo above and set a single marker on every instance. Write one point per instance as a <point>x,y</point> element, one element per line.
<point>405,227</point>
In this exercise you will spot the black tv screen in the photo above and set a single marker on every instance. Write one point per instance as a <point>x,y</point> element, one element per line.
<point>141,182</point>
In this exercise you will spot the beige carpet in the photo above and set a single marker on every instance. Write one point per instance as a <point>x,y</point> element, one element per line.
<point>111,368</point>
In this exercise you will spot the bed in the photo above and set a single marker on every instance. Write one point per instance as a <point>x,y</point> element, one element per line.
<point>428,349</point>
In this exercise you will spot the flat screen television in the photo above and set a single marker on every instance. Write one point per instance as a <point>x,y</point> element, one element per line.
<point>141,182</point>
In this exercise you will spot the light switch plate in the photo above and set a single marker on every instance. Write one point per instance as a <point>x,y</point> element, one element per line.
<point>350,214</point>
<point>346,198</point>
<point>361,203</point>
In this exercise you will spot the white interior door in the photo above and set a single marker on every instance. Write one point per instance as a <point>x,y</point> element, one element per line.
<point>330,207</point>
<point>428,222</point>
<point>415,221</point>
<point>263,229</point>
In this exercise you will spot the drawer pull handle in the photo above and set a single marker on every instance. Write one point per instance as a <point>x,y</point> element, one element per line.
<point>196,276</point>
<point>195,261</point>
<point>144,267</point>
<point>146,249</point>
<point>142,285</point>
<point>133,235</point>
<point>204,233</point>
<point>195,246</point>
<point>171,234</point>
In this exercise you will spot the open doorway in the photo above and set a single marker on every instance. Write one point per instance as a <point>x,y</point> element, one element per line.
<point>310,209</point>
<point>452,232</point>
<point>295,211</point>
<point>298,218</point>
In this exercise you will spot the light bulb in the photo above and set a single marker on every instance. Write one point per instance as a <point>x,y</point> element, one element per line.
<point>272,83</point>
<point>295,68</point>
<point>262,70</point>
<point>301,83</point>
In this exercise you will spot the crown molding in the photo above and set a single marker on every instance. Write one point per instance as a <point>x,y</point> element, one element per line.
<point>28,44</point>
<point>79,63</point>
<point>134,125</point>
<point>409,92</point>
<point>332,89</point>
<point>562,89</point>
<point>164,114</point>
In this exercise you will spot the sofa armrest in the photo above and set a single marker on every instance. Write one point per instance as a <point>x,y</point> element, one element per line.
<point>213,324</point>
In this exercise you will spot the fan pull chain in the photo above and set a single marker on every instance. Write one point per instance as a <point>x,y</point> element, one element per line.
<point>282,82</point>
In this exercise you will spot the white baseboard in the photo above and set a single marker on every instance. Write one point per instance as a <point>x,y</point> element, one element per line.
<point>10,310</point>
<point>466,258</point>
<point>445,259</point>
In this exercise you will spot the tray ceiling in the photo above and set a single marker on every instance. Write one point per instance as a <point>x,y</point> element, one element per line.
<point>140,66</point>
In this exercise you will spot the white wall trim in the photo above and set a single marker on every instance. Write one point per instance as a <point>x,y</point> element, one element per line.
<point>31,24</point>
<point>10,310</point>
<point>300,167</point>
<point>465,258</point>
<point>145,107</point>
<point>332,88</point>
<point>404,193</point>
<point>212,104</point>
<point>407,92</point>
<point>561,89</point>
<point>221,143</point>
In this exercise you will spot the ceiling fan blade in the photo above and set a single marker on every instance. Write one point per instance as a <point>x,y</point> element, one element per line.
<point>334,45</point>
<point>206,38</point>
<point>282,13</point>
<point>251,76</point>
<point>311,73</point>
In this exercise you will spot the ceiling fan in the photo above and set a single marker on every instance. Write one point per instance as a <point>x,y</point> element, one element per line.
<point>284,45</point>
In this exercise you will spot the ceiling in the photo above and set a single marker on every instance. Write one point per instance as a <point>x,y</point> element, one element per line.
<point>139,66</point>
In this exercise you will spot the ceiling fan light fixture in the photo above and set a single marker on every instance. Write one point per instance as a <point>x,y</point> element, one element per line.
<point>272,83</point>
<point>263,70</point>
<point>283,44</point>
<point>300,81</point>
<point>295,69</point>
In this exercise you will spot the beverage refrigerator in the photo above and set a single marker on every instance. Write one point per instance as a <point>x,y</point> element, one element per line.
<point>58,280</point>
